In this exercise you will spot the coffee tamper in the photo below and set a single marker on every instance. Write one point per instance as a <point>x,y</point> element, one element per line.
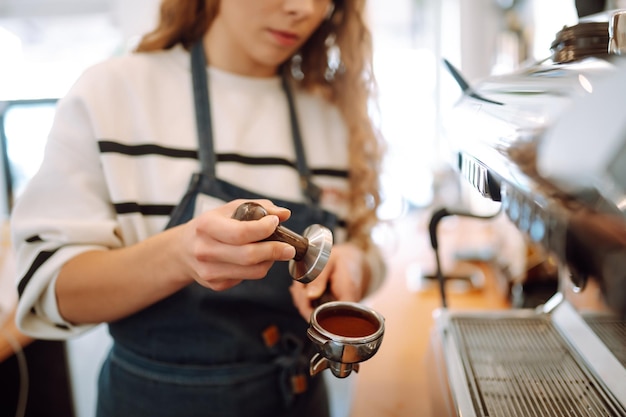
<point>312,248</point>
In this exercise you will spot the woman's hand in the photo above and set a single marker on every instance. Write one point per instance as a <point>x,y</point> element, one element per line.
<point>219,251</point>
<point>344,276</point>
<point>212,249</point>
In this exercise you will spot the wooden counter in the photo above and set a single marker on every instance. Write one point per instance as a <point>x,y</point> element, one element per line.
<point>395,381</point>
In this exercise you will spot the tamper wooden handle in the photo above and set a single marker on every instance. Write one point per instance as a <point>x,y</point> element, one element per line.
<point>254,211</point>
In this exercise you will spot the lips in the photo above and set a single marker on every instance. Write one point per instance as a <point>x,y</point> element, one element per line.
<point>284,38</point>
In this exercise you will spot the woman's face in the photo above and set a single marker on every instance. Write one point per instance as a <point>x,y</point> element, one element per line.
<point>254,37</point>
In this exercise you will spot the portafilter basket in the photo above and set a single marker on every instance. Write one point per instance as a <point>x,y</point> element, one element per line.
<point>345,334</point>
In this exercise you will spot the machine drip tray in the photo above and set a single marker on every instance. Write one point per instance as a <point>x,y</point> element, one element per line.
<point>524,367</point>
<point>612,332</point>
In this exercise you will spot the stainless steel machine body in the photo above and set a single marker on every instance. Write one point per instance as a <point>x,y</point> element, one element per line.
<point>543,143</point>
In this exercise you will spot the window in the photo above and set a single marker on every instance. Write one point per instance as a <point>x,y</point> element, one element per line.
<point>24,126</point>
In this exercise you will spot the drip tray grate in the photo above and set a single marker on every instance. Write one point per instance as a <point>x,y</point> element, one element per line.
<point>523,367</point>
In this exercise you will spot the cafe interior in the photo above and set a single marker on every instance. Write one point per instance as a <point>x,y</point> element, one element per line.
<point>503,214</point>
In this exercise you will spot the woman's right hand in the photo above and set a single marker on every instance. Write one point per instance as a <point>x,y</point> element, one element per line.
<point>212,249</point>
<point>220,252</point>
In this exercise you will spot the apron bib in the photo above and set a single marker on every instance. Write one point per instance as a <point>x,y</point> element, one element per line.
<point>207,353</point>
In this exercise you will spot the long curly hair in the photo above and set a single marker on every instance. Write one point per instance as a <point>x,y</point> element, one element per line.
<point>352,87</point>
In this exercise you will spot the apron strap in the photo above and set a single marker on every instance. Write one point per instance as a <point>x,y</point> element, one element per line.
<point>309,188</point>
<point>204,126</point>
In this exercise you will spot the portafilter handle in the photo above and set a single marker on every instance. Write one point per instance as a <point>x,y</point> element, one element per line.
<point>312,249</point>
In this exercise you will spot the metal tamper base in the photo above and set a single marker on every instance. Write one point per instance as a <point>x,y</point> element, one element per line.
<point>320,242</point>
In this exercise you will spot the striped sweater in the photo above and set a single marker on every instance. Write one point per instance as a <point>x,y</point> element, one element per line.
<point>123,147</point>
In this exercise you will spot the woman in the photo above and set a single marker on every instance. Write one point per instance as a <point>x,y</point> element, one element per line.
<point>129,222</point>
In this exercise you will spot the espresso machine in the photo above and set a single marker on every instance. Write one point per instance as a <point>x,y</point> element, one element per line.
<point>547,142</point>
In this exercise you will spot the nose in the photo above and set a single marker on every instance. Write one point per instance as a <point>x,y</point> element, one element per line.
<point>300,8</point>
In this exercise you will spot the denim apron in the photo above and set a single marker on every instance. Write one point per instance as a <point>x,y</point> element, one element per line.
<point>241,352</point>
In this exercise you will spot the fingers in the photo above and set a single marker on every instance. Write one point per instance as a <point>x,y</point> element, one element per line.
<point>341,278</point>
<point>283,213</point>
<point>220,276</point>
<point>220,284</point>
<point>348,273</point>
<point>219,224</point>
<point>316,288</point>
<point>225,251</point>
<point>244,255</point>
<point>301,299</point>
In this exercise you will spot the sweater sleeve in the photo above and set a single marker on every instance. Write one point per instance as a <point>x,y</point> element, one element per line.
<point>64,211</point>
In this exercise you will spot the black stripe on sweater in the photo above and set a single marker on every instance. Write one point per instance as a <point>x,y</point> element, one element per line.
<point>162,210</point>
<point>39,260</point>
<point>258,161</point>
<point>145,209</point>
<point>328,172</point>
<point>150,149</point>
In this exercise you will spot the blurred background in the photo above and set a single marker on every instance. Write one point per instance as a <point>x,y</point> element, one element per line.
<point>46,44</point>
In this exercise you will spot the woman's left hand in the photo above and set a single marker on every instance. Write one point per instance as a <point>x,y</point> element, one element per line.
<point>344,276</point>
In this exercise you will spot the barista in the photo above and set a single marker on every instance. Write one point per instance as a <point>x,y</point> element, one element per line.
<point>129,222</point>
